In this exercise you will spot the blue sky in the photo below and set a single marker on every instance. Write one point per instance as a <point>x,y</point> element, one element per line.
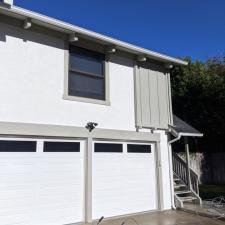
<point>178,28</point>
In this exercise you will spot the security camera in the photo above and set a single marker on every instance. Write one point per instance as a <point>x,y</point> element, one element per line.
<point>91,126</point>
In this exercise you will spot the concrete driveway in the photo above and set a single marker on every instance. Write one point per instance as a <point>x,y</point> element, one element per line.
<point>165,218</point>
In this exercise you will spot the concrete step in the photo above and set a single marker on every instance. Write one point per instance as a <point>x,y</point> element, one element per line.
<point>176,179</point>
<point>179,185</point>
<point>182,192</point>
<point>188,199</point>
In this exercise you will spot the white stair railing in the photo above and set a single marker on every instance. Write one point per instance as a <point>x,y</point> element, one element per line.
<point>180,169</point>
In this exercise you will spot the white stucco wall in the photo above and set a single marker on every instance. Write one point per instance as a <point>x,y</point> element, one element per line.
<point>165,163</point>
<point>165,170</point>
<point>32,85</point>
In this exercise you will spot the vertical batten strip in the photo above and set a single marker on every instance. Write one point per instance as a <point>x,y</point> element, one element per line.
<point>137,96</point>
<point>170,99</point>
<point>167,99</point>
<point>158,99</point>
<point>150,105</point>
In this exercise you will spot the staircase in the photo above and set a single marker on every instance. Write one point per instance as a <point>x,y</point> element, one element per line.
<point>185,183</point>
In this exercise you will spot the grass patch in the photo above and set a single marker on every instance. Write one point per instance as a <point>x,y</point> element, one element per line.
<point>211,191</point>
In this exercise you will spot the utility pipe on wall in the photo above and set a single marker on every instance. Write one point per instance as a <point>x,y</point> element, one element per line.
<point>171,168</point>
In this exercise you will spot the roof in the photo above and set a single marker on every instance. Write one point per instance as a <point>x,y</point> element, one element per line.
<point>67,28</point>
<point>182,128</point>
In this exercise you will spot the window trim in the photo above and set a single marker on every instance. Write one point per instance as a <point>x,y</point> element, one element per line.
<point>66,95</point>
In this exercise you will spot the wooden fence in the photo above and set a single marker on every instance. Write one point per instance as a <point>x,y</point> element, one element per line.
<point>213,168</point>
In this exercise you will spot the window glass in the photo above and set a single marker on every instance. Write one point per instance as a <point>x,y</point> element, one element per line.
<point>86,61</point>
<point>108,147</point>
<point>61,146</point>
<point>17,146</point>
<point>86,75</point>
<point>86,86</point>
<point>134,148</point>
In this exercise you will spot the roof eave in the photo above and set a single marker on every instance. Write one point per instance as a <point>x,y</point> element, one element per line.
<point>191,134</point>
<point>184,134</point>
<point>69,28</point>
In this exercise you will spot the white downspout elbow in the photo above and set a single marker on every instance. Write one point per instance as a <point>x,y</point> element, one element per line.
<point>175,139</point>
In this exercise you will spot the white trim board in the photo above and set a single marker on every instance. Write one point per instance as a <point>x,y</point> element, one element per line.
<point>45,130</point>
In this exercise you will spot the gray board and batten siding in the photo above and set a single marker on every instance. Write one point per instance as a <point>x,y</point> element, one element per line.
<point>152,96</point>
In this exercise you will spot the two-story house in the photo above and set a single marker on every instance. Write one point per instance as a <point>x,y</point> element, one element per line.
<point>84,123</point>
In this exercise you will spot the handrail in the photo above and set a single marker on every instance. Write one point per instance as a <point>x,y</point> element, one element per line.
<point>180,169</point>
<point>194,181</point>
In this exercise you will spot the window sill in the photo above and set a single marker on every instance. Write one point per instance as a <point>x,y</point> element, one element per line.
<point>86,100</point>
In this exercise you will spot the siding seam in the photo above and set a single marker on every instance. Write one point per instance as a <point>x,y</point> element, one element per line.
<point>139,82</point>
<point>149,93</point>
<point>157,79</point>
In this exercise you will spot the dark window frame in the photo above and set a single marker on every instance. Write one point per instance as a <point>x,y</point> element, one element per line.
<point>86,73</point>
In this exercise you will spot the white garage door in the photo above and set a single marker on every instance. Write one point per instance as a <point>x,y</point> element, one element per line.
<point>41,182</point>
<point>124,179</point>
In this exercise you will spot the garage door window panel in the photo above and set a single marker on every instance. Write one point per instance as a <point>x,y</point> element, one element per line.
<point>108,147</point>
<point>17,146</point>
<point>61,146</point>
<point>136,148</point>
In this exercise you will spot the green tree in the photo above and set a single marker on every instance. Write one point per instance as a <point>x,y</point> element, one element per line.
<point>198,92</point>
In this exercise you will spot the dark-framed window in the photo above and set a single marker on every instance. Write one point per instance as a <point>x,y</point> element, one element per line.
<point>86,73</point>
<point>50,146</point>
<point>17,146</point>
<point>108,147</point>
<point>135,148</point>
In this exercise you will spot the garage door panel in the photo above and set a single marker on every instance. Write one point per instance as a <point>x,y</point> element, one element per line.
<point>42,187</point>
<point>124,183</point>
<point>22,205</point>
<point>60,216</point>
<point>56,175</point>
<point>62,186</point>
<point>61,199</point>
<point>17,219</point>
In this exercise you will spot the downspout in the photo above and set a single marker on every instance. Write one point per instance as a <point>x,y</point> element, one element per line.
<point>175,139</point>
<point>171,169</point>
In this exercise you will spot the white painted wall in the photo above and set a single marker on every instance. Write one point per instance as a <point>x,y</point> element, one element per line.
<point>32,85</point>
<point>165,169</point>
